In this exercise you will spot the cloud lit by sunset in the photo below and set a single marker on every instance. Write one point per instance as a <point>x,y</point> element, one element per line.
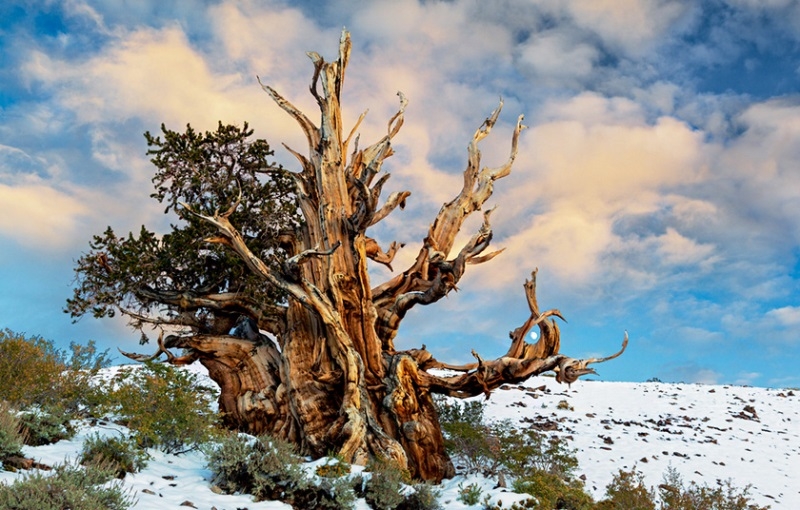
<point>657,187</point>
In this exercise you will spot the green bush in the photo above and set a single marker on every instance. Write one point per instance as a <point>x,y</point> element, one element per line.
<point>384,489</point>
<point>265,467</point>
<point>333,467</point>
<point>37,374</point>
<point>627,491</point>
<point>467,439</point>
<point>41,427</point>
<point>469,494</point>
<point>331,493</point>
<point>540,466</point>
<point>525,451</point>
<point>553,491</point>
<point>424,497</point>
<point>10,437</point>
<point>165,407</point>
<point>68,487</point>
<point>676,496</point>
<point>270,469</point>
<point>113,453</point>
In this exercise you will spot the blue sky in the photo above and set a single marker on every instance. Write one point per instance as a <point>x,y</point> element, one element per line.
<point>657,188</point>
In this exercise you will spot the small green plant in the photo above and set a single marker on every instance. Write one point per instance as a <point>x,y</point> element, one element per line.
<point>469,494</point>
<point>165,407</point>
<point>628,490</point>
<point>10,437</point>
<point>676,496</point>
<point>41,427</point>
<point>69,486</point>
<point>384,489</point>
<point>113,453</point>
<point>333,467</point>
<point>424,497</point>
<point>467,439</point>
<point>525,504</point>
<point>525,451</point>
<point>554,491</point>
<point>330,493</point>
<point>266,467</point>
<point>564,406</point>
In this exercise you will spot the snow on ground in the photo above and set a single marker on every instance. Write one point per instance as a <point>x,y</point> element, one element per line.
<point>708,433</point>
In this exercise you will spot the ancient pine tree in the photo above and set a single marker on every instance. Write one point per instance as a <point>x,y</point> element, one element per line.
<point>266,283</point>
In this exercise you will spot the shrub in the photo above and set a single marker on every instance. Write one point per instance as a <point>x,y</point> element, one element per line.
<point>41,427</point>
<point>424,497</point>
<point>330,493</point>
<point>469,494</point>
<point>467,438</point>
<point>540,466</point>
<point>384,489</point>
<point>10,437</point>
<point>564,406</point>
<point>68,486</point>
<point>37,373</point>
<point>333,467</point>
<point>628,491</point>
<point>165,407</point>
<point>116,454</point>
<point>553,491</point>
<point>675,496</point>
<point>525,451</point>
<point>265,467</point>
<point>525,504</point>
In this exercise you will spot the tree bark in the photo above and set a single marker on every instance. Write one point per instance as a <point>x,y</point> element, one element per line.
<point>323,371</point>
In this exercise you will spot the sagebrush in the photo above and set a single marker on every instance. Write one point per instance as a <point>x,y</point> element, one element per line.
<point>165,407</point>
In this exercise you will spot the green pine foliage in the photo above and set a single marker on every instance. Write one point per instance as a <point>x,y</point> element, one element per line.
<point>469,494</point>
<point>143,273</point>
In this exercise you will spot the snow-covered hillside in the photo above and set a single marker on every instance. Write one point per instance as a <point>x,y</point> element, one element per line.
<point>708,433</point>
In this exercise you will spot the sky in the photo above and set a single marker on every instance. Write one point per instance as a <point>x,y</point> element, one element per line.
<point>656,189</point>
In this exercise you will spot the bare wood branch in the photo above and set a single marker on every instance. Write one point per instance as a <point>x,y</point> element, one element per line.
<point>374,252</point>
<point>353,131</point>
<point>570,369</point>
<point>310,130</point>
<point>171,358</point>
<point>395,200</point>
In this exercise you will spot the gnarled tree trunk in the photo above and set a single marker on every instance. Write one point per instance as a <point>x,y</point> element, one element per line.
<point>323,371</point>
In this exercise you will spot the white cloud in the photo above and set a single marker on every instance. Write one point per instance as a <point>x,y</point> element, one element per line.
<point>147,74</point>
<point>629,25</point>
<point>39,216</point>
<point>676,249</point>
<point>594,161</point>
<point>556,57</point>
<point>785,316</point>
